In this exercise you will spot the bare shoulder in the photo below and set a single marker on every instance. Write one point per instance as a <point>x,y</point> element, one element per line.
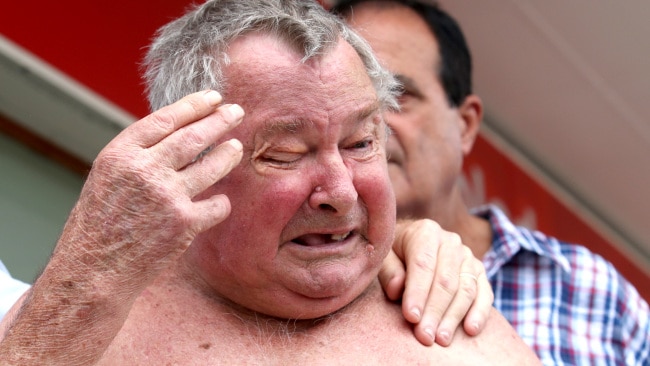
<point>498,341</point>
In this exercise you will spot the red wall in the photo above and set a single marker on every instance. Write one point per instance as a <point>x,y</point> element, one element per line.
<point>99,43</point>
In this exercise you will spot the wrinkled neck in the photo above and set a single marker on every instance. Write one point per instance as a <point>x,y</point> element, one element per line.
<point>263,325</point>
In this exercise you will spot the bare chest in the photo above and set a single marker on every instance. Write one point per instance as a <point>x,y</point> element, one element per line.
<point>176,336</point>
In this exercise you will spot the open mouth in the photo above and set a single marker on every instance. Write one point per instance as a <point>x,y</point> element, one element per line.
<point>321,239</point>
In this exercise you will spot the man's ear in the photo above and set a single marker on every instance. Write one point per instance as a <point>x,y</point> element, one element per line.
<point>471,112</point>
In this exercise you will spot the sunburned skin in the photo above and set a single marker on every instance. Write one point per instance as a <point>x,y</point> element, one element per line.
<point>314,156</point>
<point>283,146</point>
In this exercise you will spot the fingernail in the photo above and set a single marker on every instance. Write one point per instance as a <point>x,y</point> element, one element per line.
<point>236,111</point>
<point>475,325</point>
<point>416,313</point>
<point>443,336</point>
<point>235,143</point>
<point>429,331</point>
<point>212,97</point>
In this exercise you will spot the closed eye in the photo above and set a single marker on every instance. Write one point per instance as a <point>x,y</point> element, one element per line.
<point>279,160</point>
<point>362,144</point>
<point>362,149</point>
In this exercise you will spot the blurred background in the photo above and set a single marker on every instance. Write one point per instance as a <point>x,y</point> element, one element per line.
<point>564,146</point>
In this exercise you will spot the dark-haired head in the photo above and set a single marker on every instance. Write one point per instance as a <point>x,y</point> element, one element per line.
<point>455,69</point>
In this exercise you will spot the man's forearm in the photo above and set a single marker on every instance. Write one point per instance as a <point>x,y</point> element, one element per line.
<point>67,318</point>
<point>75,308</point>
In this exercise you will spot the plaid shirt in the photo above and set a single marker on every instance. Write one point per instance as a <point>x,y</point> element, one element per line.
<point>569,304</point>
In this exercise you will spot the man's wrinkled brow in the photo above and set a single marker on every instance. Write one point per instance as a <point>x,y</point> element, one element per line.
<point>363,113</point>
<point>296,125</point>
<point>287,126</point>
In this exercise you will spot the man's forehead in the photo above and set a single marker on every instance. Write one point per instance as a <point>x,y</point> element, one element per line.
<point>273,84</point>
<point>259,47</point>
<point>265,55</point>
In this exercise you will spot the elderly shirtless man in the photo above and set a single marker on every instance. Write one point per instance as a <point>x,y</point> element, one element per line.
<point>274,263</point>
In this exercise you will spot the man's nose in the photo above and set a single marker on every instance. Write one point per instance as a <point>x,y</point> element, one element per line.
<point>334,189</point>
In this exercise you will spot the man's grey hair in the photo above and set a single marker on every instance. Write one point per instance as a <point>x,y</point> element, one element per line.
<point>188,54</point>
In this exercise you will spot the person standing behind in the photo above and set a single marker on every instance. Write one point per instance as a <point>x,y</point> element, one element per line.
<point>569,304</point>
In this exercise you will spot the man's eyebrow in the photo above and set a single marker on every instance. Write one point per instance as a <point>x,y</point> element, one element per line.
<point>363,113</point>
<point>290,126</point>
<point>297,125</point>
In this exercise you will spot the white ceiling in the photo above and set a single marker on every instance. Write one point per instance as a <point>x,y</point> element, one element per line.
<point>567,84</point>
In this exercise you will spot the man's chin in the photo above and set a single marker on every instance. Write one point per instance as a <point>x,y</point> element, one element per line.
<point>327,289</point>
<point>311,305</point>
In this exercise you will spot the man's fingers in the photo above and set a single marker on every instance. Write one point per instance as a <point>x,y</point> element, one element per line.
<point>155,127</point>
<point>211,167</point>
<point>445,283</point>
<point>420,246</point>
<point>210,212</point>
<point>464,299</point>
<point>420,272</point>
<point>183,146</point>
<point>480,311</point>
<point>392,275</point>
<point>444,287</point>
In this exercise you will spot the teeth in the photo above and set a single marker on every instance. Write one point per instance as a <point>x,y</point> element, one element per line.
<point>340,237</point>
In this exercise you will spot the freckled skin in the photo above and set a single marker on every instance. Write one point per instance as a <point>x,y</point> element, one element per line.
<point>273,191</point>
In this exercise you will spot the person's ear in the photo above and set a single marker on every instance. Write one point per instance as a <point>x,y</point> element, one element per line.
<point>471,113</point>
